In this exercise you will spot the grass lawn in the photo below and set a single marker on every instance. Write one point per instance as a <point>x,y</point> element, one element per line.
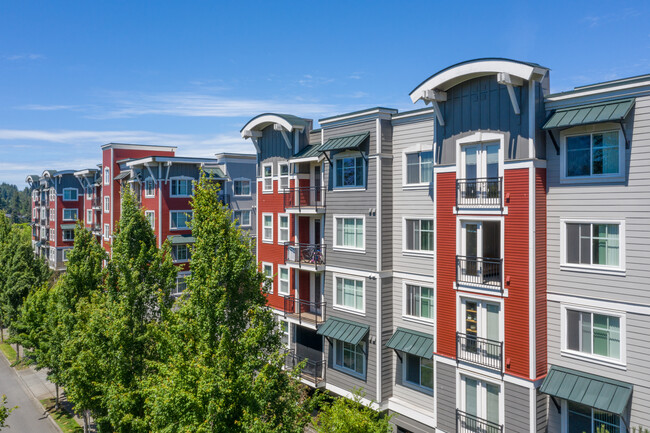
<point>62,417</point>
<point>9,352</point>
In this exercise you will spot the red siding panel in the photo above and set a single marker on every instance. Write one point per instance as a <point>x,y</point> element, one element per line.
<point>540,270</point>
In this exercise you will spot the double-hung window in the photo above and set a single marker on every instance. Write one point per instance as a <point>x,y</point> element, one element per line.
<point>66,253</point>
<point>418,372</point>
<point>267,178</point>
<point>243,217</point>
<point>419,168</point>
<point>149,187</point>
<point>89,216</point>
<point>179,219</point>
<point>70,194</point>
<point>181,188</point>
<point>52,234</point>
<point>181,253</point>
<point>267,270</point>
<point>283,228</point>
<point>267,227</point>
<point>582,418</point>
<point>283,281</point>
<point>349,232</point>
<point>594,334</point>
<point>242,187</point>
<point>89,192</point>
<point>107,176</point>
<point>53,254</point>
<point>181,285</point>
<point>419,301</point>
<point>70,214</point>
<point>350,358</point>
<point>349,293</point>
<point>595,155</point>
<point>284,329</point>
<point>151,217</point>
<point>52,194</point>
<point>107,231</point>
<point>68,235</point>
<point>349,172</point>
<point>52,214</point>
<point>107,204</point>
<point>284,176</point>
<point>594,244</point>
<point>419,235</point>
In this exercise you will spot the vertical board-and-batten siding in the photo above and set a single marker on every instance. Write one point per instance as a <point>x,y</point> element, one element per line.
<point>481,104</point>
<point>627,201</point>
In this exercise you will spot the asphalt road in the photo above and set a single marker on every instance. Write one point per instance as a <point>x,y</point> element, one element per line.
<point>30,417</point>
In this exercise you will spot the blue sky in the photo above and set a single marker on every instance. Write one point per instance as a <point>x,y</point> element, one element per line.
<point>78,74</point>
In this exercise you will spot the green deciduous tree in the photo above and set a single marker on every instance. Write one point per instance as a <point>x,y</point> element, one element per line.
<point>350,416</point>
<point>225,373</point>
<point>4,411</point>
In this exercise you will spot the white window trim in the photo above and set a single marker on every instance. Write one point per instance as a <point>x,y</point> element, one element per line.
<point>64,254</point>
<point>281,215</point>
<point>346,248</point>
<point>151,212</point>
<point>70,189</point>
<point>63,218</point>
<point>479,138</point>
<point>405,250</point>
<point>413,385</point>
<point>107,176</point>
<point>280,281</point>
<point>460,395</point>
<point>187,178</point>
<point>107,204</point>
<point>188,211</point>
<point>609,270</point>
<point>150,179</point>
<point>106,234</point>
<point>337,306</point>
<point>564,417</point>
<point>89,192</point>
<point>265,239</point>
<point>89,216</point>
<point>175,260</point>
<point>280,176</point>
<point>242,179</point>
<point>64,239</point>
<point>593,129</point>
<point>348,370</point>
<point>52,194</point>
<point>404,296</point>
<point>52,234</point>
<point>266,190</point>
<point>350,154</point>
<point>597,359</point>
<point>52,214</point>
<point>183,275</point>
<point>420,147</point>
<point>242,212</point>
<point>272,278</point>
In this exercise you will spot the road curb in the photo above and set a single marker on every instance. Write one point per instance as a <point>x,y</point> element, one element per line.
<point>29,392</point>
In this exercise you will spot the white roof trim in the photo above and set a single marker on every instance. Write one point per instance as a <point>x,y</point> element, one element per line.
<point>262,122</point>
<point>466,71</point>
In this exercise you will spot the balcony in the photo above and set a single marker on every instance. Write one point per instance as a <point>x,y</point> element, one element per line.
<point>480,193</point>
<point>304,312</point>
<point>479,351</point>
<point>467,423</point>
<point>305,200</point>
<point>96,202</point>
<point>313,371</point>
<point>305,256</point>
<point>479,271</point>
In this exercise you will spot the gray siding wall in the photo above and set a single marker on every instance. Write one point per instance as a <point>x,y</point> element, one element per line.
<point>446,391</point>
<point>237,171</point>
<point>388,172</point>
<point>638,367</point>
<point>420,399</point>
<point>339,378</point>
<point>482,104</point>
<point>410,424</point>
<point>387,355</point>
<point>517,408</point>
<point>541,412</point>
<point>628,201</point>
<point>409,202</point>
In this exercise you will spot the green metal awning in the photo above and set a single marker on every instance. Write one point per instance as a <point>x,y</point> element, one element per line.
<point>611,111</point>
<point>342,143</point>
<point>215,172</point>
<point>311,151</point>
<point>68,226</point>
<point>181,239</point>
<point>122,175</point>
<point>344,330</point>
<point>588,389</point>
<point>413,342</point>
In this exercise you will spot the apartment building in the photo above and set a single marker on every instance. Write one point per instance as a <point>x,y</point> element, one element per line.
<point>162,183</point>
<point>449,260</point>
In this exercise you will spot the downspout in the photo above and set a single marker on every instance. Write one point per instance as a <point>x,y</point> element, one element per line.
<point>379,253</point>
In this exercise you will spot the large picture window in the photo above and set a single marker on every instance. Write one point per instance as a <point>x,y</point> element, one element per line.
<point>181,187</point>
<point>418,372</point>
<point>350,358</point>
<point>243,217</point>
<point>181,253</point>
<point>419,167</point>
<point>349,293</point>
<point>70,194</point>
<point>593,244</point>
<point>596,154</point>
<point>70,214</point>
<point>583,418</point>
<point>349,172</point>
<point>349,232</point>
<point>593,334</point>
<point>179,219</point>
<point>419,235</point>
<point>419,301</point>
<point>242,187</point>
<point>68,235</point>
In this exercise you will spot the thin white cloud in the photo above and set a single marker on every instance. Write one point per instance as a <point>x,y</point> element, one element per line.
<point>42,107</point>
<point>30,56</point>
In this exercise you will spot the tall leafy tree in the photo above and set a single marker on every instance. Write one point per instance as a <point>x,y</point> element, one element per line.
<point>226,372</point>
<point>350,416</point>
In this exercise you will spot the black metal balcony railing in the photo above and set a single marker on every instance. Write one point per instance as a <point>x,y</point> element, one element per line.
<point>480,351</point>
<point>314,371</point>
<point>479,270</point>
<point>304,254</point>
<point>467,423</point>
<point>486,192</point>
<point>308,198</point>
<point>96,202</point>
<point>305,311</point>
